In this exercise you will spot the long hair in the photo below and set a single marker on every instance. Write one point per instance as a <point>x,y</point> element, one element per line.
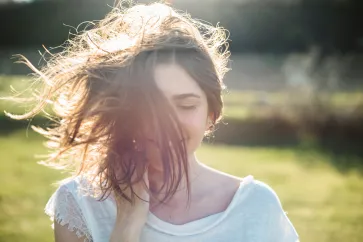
<point>106,103</point>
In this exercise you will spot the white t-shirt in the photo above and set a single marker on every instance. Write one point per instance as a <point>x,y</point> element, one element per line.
<point>254,215</point>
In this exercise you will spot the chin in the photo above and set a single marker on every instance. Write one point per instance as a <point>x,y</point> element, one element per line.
<point>158,167</point>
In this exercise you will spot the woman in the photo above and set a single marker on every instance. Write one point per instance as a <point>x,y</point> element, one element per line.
<point>134,96</point>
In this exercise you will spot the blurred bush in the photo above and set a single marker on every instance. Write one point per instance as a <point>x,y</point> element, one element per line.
<point>333,131</point>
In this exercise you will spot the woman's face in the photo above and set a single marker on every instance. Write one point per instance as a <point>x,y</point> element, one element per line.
<point>188,100</point>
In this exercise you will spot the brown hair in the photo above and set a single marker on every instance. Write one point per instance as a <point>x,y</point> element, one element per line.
<point>104,98</point>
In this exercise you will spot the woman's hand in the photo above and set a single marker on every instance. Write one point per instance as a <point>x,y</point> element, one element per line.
<point>131,219</point>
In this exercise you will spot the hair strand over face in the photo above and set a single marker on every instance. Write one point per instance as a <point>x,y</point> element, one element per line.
<point>106,104</point>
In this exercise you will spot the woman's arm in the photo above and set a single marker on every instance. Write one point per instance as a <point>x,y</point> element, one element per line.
<point>63,234</point>
<point>126,232</point>
<point>131,218</point>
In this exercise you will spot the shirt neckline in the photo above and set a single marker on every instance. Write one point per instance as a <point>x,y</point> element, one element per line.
<point>199,225</point>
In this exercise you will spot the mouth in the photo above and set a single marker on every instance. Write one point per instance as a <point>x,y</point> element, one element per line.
<point>157,146</point>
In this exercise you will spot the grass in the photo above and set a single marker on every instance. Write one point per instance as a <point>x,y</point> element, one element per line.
<point>25,187</point>
<point>323,204</point>
<point>20,84</point>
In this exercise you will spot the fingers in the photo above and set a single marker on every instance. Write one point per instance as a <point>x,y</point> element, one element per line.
<point>137,189</point>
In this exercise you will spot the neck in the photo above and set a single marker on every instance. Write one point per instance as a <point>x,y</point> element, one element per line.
<point>156,180</point>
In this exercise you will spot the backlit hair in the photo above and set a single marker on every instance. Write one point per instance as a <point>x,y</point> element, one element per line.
<point>105,101</point>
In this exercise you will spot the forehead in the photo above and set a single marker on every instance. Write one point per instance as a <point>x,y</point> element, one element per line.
<point>173,80</point>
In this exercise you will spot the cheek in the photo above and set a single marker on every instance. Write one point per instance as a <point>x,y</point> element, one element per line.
<point>194,126</point>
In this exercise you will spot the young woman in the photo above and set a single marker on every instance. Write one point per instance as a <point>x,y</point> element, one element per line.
<point>134,97</point>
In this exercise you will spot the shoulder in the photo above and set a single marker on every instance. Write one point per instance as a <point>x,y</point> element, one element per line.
<point>263,205</point>
<point>78,186</point>
<point>249,188</point>
<point>68,190</point>
<point>70,200</point>
<point>258,194</point>
<point>62,195</point>
<point>264,192</point>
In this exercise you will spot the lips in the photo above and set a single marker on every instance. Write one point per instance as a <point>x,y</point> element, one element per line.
<point>155,143</point>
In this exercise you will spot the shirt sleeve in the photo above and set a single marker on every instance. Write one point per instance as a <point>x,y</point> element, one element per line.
<point>63,208</point>
<point>276,225</point>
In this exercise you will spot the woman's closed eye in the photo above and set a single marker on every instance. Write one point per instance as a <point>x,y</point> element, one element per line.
<point>187,107</point>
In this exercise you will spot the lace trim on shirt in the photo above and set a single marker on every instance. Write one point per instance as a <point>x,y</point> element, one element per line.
<point>63,208</point>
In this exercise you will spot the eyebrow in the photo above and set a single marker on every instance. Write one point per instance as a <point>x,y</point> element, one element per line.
<point>184,96</point>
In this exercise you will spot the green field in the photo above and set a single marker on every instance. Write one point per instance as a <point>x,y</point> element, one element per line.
<point>324,204</point>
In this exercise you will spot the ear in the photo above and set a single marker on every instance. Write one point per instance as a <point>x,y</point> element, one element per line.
<point>209,123</point>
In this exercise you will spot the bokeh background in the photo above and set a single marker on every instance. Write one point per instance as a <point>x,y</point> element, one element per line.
<point>293,115</point>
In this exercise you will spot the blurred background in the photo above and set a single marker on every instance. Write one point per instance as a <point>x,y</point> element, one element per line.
<point>293,115</point>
